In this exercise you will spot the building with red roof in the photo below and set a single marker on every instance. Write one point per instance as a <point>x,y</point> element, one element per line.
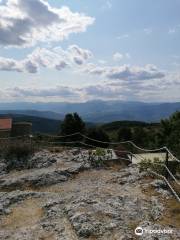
<point>5,126</point>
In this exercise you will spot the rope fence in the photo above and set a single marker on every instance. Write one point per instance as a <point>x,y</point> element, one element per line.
<point>162,149</point>
<point>169,185</point>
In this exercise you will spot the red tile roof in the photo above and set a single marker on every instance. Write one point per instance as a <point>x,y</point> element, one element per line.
<point>5,123</point>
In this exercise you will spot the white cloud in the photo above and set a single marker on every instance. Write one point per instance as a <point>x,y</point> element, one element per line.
<point>7,64</point>
<point>157,89</point>
<point>122,36</point>
<point>127,55</point>
<point>119,56</point>
<point>24,23</point>
<point>103,92</point>
<point>56,58</point>
<point>107,5</point>
<point>79,55</point>
<point>125,72</point>
<point>172,31</point>
<point>134,73</point>
<point>147,31</point>
<point>59,91</point>
<point>101,61</point>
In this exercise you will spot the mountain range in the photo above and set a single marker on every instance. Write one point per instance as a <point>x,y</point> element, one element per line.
<point>94,111</point>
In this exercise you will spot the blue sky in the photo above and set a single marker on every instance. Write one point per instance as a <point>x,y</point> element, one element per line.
<point>80,50</point>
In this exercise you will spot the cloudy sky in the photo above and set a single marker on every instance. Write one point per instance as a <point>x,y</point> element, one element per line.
<point>66,50</point>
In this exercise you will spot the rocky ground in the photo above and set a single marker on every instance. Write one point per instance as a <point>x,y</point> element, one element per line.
<point>63,198</point>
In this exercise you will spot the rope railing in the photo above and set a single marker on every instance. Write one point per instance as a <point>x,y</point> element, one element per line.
<point>170,173</point>
<point>112,143</point>
<point>165,179</point>
<point>85,144</point>
<point>17,137</point>
<point>98,141</point>
<point>164,148</point>
<point>169,185</point>
<point>128,152</point>
<point>173,157</point>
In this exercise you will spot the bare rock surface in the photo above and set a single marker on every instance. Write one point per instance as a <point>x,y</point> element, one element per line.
<point>63,198</point>
<point>47,169</point>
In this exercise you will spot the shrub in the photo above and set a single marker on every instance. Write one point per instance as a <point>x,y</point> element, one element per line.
<point>97,157</point>
<point>17,156</point>
<point>156,166</point>
<point>152,165</point>
<point>144,165</point>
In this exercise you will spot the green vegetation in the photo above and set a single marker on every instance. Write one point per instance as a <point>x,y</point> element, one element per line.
<point>17,156</point>
<point>99,135</point>
<point>72,124</point>
<point>148,135</point>
<point>119,124</point>
<point>155,166</point>
<point>124,134</point>
<point>143,134</point>
<point>97,157</point>
<point>169,133</point>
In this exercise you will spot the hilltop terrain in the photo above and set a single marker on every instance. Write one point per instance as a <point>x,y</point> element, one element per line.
<point>62,197</point>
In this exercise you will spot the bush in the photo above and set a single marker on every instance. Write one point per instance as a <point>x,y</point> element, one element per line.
<point>152,165</point>
<point>97,157</point>
<point>144,165</point>
<point>17,156</point>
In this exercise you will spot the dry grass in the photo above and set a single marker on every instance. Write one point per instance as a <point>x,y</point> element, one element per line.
<point>47,236</point>
<point>69,230</point>
<point>56,149</point>
<point>172,214</point>
<point>26,214</point>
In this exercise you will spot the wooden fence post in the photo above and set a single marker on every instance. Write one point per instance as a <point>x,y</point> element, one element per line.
<point>167,164</point>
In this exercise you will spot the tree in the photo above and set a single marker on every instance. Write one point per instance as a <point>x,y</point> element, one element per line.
<point>97,134</point>
<point>140,136</point>
<point>124,134</point>
<point>170,133</point>
<point>72,124</point>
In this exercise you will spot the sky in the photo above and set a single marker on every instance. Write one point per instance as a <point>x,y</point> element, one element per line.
<point>77,51</point>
